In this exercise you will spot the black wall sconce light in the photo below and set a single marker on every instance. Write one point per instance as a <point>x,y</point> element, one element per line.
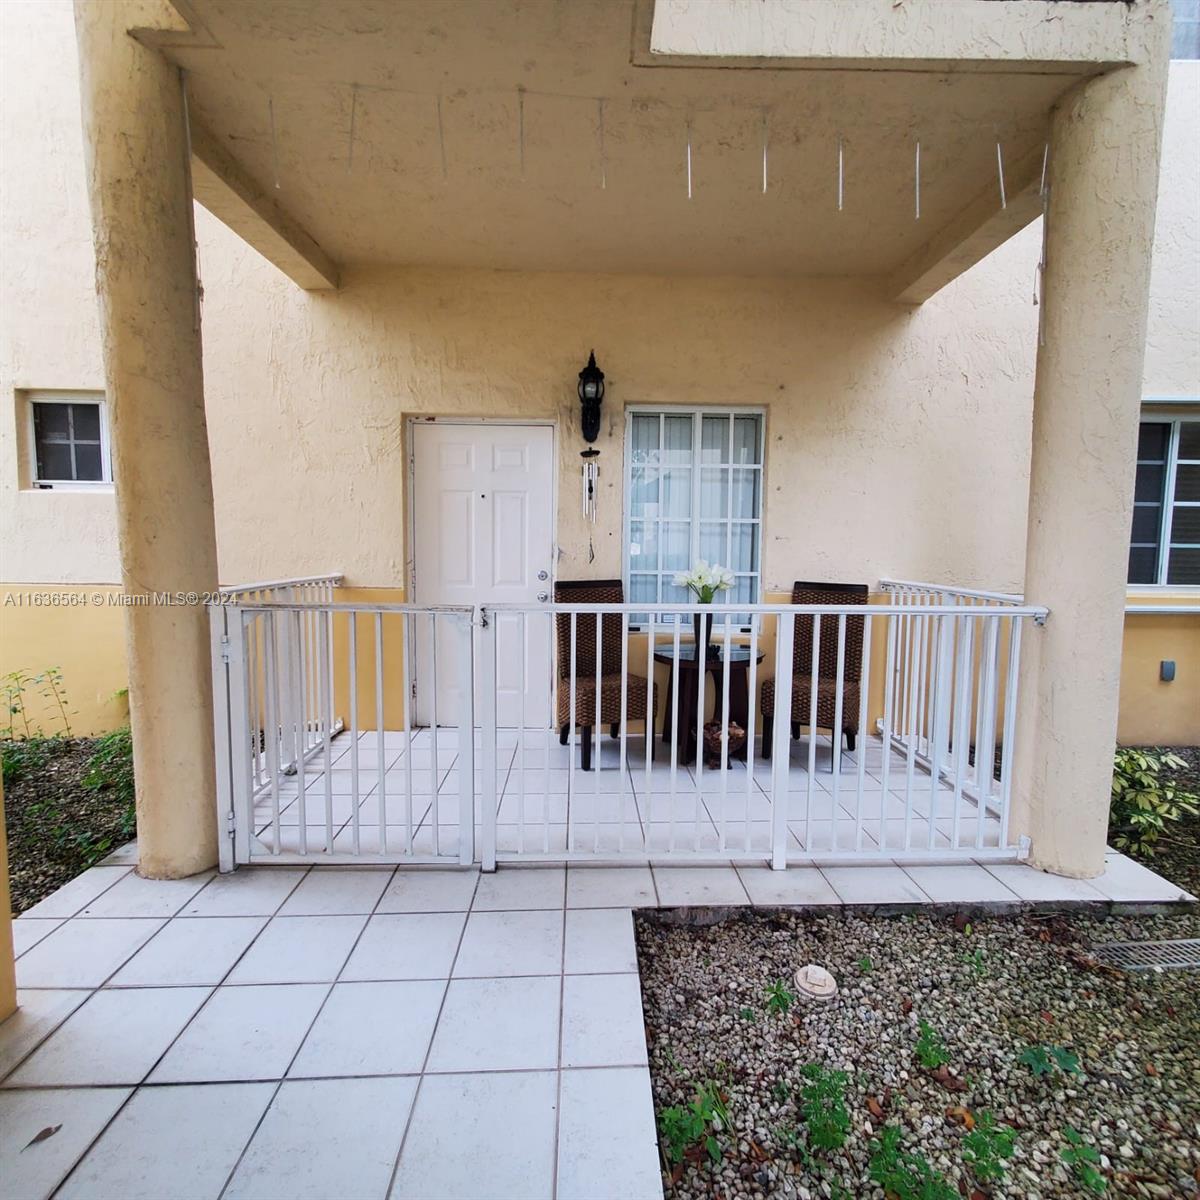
<point>591,393</point>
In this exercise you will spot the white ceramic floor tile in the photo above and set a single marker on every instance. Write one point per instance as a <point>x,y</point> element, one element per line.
<point>116,1037</point>
<point>610,887</point>
<point>796,885</point>
<point>372,1029</point>
<point>406,946</point>
<point>1031,884</point>
<point>599,940</point>
<point>332,1137</point>
<point>498,1025</point>
<point>171,1141</point>
<point>32,1172</point>
<point>81,890</point>
<point>960,883</point>
<point>511,943</point>
<point>332,890</point>
<point>521,888</point>
<point>126,855</point>
<point>27,932</point>
<point>607,1145</point>
<point>688,886</point>
<point>83,953</point>
<point>39,1013</point>
<point>242,1033</point>
<point>1129,882</point>
<point>134,896</point>
<point>190,950</point>
<point>299,950</point>
<point>602,1019</point>
<point>432,890</point>
<point>248,892</point>
<point>874,885</point>
<point>477,1134</point>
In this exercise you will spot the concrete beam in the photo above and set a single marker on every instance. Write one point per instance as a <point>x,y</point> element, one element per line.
<point>877,35</point>
<point>222,185</point>
<point>972,235</point>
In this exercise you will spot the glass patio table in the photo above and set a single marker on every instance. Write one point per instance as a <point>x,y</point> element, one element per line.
<point>689,690</point>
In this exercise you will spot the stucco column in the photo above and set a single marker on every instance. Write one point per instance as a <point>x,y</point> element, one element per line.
<point>1103,178</point>
<point>139,183</point>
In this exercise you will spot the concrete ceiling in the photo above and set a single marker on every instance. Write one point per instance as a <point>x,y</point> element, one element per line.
<point>378,67</point>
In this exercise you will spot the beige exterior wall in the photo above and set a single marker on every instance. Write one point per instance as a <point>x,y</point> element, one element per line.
<point>898,439</point>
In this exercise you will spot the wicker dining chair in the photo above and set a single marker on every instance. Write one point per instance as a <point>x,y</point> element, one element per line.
<point>822,593</point>
<point>598,591</point>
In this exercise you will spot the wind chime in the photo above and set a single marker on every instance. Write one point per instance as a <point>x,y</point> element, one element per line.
<point>591,473</point>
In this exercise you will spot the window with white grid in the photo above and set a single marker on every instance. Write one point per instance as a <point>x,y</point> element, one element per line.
<point>694,490</point>
<point>68,434</point>
<point>1164,545</point>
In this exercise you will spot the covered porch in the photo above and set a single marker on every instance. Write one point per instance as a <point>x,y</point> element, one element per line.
<point>885,185</point>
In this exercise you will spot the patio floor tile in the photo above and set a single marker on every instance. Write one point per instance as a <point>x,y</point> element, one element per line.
<point>190,950</point>
<point>1128,881</point>
<point>498,1025</point>
<point>680,886</point>
<point>39,1013</point>
<point>796,885</point>
<point>134,896</point>
<point>606,1133</point>
<point>476,1134</point>
<point>1031,884</point>
<point>337,1137</point>
<point>81,890</point>
<point>372,1029</point>
<point>27,933</point>
<point>299,950</point>
<point>511,943</point>
<point>527,888</point>
<point>432,890</point>
<point>406,946</point>
<point>599,940</point>
<point>874,885</point>
<point>602,1020</point>
<point>242,1033</point>
<point>610,887</point>
<point>960,883</point>
<point>33,1172</point>
<point>116,1037</point>
<point>245,893</point>
<point>337,890</point>
<point>83,953</point>
<point>165,1135</point>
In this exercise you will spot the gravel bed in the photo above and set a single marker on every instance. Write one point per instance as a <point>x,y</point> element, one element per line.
<point>57,828</point>
<point>989,988</point>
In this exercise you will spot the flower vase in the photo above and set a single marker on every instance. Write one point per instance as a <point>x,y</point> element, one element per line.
<point>704,647</point>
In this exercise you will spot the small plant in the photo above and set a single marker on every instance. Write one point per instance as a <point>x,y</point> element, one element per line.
<point>54,693</point>
<point>930,1051</point>
<point>977,961</point>
<point>1042,1060</point>
<point>988,1147</point>
<point>21,758</point>
<point>747,1014</point>
<point>698,1123</point>
<point>823,1106</point>
<point>781,1091</point>
<point>903,1174</point>
<point>1143,803</point>
<point>865,965</point>
<point>1083,1160</point>
<point>779,998</point>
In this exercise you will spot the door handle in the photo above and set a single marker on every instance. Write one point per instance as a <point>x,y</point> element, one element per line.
<point>543,597</point>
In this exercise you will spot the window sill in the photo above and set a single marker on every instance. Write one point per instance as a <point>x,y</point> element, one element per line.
<point>101,488</point>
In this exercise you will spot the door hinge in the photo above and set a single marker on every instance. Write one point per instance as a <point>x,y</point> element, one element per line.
<point>230,822</point>
<point>225,655</point>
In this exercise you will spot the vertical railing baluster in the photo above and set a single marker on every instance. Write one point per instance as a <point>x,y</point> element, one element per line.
<point>381,756</point>
<point>648,747</point>
<point>864,689</point>
<point>962,715</point>
<point>751,723</point>
<point>325,623</point>
<point>524,651</point>
<point>675,674</point>
<point>723,723</point>
<point>435,777</point>
<point>623,730</point>
<point>785,641</point>
<point>406,650</point>
<point>597,733</point>
<point>1010,726</point>
<point>355,814</point>
<point>487,681</point>
<point>572,715</point>
<point>466,762</point>
<point>701,683</point>
<point>836,732</point>
<point>985,747</point>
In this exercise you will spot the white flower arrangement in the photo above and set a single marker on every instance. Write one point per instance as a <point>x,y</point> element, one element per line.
<point>705,580</point>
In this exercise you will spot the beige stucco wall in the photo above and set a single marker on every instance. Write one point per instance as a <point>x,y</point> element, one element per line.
<point>898,440</point>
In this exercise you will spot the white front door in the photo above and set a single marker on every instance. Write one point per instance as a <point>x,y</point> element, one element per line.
<point>483,533</point>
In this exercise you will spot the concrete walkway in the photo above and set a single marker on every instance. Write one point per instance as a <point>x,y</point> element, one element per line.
<point>334,1032</point>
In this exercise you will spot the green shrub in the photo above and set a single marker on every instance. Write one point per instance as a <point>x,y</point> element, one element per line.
<point>111,766</point>
<point>903,1174</point>
<point>930,1050</point>
<point>683,1127</point>
<point>823,1106</point>
<point>988,1147</point>
<point>23,758</point>
<point>1144,803</point>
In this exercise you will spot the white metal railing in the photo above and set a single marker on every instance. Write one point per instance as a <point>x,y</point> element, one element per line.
<point>372,785</point>
<point>952,702</point>
<point>674,763</point>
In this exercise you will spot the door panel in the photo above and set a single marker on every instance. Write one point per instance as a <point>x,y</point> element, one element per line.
<point>483,498</point>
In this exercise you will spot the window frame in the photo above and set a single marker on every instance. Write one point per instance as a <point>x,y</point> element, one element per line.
<point>1164,411</point>
<point>100,400</point>
<point>697,412</point>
